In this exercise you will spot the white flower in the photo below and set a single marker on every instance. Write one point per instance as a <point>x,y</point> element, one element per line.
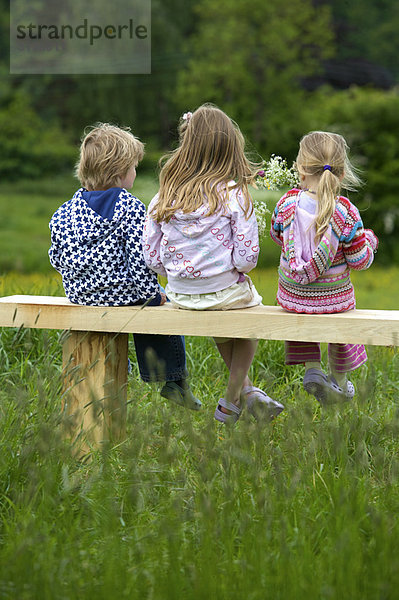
<point>261,213</point>
<point>274,175</point>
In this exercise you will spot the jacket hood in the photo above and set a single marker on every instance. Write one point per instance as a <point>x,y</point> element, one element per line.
<point>195,224</point>
<point>307,271</point>
<point>95,215</point>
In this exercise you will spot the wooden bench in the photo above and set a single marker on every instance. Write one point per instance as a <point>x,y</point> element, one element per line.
<point>95,344</point>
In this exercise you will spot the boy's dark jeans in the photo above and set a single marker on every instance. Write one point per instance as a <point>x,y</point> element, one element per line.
<point>160,357</point>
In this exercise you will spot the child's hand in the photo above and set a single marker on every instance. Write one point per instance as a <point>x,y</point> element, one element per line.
<point>163,299</point>
<point>372,238</point>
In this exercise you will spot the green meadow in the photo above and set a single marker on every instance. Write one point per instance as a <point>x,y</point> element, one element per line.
<point>186,508</point>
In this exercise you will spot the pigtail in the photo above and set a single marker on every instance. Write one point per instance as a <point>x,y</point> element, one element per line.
<point>323,157</point>
<point>327,191</point>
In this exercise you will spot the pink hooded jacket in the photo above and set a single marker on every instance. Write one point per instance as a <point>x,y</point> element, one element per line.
<point>200,254</point>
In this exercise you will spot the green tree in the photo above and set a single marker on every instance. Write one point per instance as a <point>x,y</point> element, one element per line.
<point>249,57</point>
<point>369,121</point>
<point>145,102</point>
<point>367,30</point>
<point>31,148</point>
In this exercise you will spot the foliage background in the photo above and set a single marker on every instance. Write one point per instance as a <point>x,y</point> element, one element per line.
<point>280,69</point>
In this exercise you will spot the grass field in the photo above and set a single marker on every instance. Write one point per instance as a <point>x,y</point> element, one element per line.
<point>186,508</point>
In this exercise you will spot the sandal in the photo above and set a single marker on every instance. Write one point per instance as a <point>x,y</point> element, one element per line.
<point>224,417</point>
<point>259,404</point>
<point>182,396</point>
<point>350,388</point>
<point>325,389</point>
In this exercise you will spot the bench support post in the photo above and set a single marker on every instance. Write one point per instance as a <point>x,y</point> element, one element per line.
<point>95,369</point>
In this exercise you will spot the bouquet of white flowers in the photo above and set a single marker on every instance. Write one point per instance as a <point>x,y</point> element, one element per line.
<point>274,175</point>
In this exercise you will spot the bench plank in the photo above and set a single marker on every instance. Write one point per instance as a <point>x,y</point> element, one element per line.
<point>95,347</point>
<point>372,327</point>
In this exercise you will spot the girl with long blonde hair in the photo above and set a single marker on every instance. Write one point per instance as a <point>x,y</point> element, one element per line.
<point>201,233</point>
<point>322,237</point>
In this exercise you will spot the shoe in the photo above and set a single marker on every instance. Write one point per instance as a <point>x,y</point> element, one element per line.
<point>182,396</point>
<point>223,417</point>
<point>325,389</point>
<point>348,390</point>
<point>259,404</point>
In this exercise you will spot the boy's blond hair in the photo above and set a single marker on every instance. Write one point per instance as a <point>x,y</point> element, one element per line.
<point>210,155</point>
<point>107,153</point>
<point>324,155</point>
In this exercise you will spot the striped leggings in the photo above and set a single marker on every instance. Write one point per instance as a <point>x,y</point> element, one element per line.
<point>342,357</point>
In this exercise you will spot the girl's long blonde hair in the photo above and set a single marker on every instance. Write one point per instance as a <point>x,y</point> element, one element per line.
<point>210,155</point>
<point>324,156</point>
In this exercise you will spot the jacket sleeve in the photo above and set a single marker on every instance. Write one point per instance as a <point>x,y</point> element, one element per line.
<point>145,280</point>
<point>245,236</point>
<point>152,237</point>
<point>359,244</point>
<point>55,251</point>
<point>276,228</point>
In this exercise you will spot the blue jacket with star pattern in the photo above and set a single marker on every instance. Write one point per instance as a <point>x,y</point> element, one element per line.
<point>96,246</point>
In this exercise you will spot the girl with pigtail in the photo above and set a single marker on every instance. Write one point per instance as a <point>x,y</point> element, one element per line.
<point>322,237</point>
<point>201,233</point>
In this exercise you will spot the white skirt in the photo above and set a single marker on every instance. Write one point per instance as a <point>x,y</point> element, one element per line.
<point>242,294</point>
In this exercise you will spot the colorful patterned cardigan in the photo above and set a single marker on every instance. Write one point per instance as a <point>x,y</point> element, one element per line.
<point>321,285</point>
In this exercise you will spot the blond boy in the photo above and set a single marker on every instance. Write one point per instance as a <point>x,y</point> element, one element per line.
<point>96,245</point>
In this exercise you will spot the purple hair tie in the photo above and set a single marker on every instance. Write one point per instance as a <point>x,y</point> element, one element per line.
<point>327,168</point>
